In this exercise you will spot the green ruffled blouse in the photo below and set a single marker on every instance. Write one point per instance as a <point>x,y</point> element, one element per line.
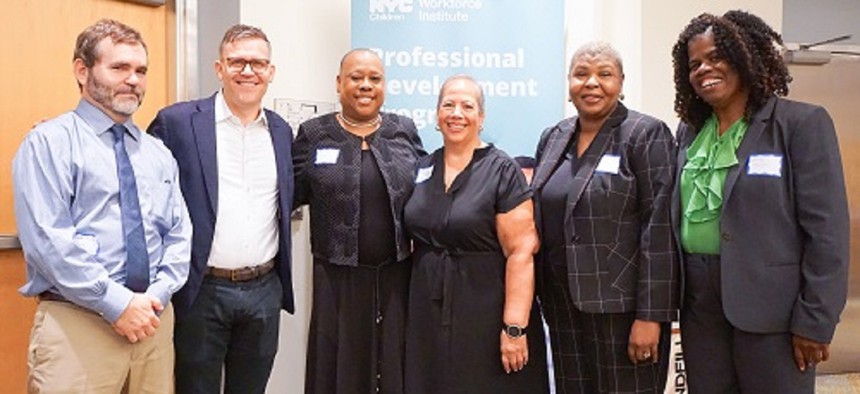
<point>709,158</point>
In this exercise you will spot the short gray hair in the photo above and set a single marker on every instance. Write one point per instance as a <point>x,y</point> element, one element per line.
<point>594,49</point>
<point>463,77</point>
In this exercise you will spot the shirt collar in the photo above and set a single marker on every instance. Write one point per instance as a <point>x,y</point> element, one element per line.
<point>223,113</point>
<point>100,121</point>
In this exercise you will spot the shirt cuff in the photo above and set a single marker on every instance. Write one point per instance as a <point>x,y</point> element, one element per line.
<point>161,291</point>
<point>116,300</point>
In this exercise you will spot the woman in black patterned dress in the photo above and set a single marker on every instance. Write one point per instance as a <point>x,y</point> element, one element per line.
<point>354,168</point>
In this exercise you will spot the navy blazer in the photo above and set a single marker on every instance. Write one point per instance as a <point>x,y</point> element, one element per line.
<point>188,130</point>
<point>785,230</point>
<point>620,252</point>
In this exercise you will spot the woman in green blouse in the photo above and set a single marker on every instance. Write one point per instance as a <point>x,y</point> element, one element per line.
<point>760,210</point>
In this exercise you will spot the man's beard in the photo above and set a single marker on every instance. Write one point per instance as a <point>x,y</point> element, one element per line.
<point>105,96</point>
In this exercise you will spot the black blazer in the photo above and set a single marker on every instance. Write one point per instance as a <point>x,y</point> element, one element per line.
<point>620,250</point>
<point>188,130</point>
<point>785,236</point>
<point>329,183</point>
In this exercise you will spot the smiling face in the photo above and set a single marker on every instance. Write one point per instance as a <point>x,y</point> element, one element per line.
<point>116,83</point>
<point>595,85</point>
<point>244,88</point>
<point>361,85</point>
<point>459,114</point>
<point>712,77</point>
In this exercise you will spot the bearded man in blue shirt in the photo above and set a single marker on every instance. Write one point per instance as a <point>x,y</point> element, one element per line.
<point>104,228</point>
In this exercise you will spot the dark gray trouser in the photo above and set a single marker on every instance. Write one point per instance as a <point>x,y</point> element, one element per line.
<point>723,359</point>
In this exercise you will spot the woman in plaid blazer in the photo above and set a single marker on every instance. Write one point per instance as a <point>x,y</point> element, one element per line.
<point>608,276</point>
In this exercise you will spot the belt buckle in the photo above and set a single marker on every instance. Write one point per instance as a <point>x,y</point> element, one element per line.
<point>233,275</point>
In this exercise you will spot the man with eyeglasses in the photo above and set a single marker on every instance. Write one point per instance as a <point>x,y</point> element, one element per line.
<point>236,174</point>
<point>104,228</point>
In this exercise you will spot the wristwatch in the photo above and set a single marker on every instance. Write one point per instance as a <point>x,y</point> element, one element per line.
<point>514,331</point>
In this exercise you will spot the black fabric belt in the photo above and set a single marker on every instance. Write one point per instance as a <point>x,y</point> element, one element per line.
<point>444,272</point>
<point>243,274</point>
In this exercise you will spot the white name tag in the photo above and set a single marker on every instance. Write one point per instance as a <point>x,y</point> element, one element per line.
<point>327,156</point>
<point>608,164</point>
<point>767,165</point>
<point>423,174</point>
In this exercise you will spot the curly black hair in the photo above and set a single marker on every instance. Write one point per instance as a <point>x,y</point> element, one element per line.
<point>749,46</point>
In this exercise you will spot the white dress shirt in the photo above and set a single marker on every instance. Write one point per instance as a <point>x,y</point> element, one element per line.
<point>246,225</point>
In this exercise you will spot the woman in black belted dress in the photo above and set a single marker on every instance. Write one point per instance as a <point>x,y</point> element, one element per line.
<point>354,168</point>
<point>472,289</point>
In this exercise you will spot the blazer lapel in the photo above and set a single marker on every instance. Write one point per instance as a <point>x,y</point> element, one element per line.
<point>281,138</point>
<point>203,124</point>
<point>555,149</point>
<point>589,162</point>
<point>754,132</point>
<point>556,145</point>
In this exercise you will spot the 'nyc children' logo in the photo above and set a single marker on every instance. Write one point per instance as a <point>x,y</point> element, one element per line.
<point>390,10</point>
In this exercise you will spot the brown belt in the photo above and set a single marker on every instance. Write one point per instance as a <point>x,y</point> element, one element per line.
<point>242,274</point>
<point>49,296</point>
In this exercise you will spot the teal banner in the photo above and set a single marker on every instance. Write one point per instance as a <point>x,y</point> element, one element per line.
<point>514,48</point>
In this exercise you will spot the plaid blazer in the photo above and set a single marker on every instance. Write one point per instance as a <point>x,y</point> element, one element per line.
<point>617,228</point>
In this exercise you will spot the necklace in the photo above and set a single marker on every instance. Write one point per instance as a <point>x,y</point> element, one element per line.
<point>369,123</point>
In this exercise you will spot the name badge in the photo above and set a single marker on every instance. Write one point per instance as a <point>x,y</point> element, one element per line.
<point>767,165</point>
<point>608,164</point>
<point>327,156</point>
<point>423,174</point>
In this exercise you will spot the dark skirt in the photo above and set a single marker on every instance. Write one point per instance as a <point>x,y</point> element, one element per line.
<point>356,341</point>
<point>456,304</point>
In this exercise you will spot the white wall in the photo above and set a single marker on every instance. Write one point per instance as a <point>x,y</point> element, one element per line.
<point>644,31</point>
<point>662,22</point>
<point>309,37</point>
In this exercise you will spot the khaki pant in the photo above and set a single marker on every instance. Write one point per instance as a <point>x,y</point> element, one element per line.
<point>73,350</point>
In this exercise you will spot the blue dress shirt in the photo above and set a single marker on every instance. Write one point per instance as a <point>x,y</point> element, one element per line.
<point>68,214</point>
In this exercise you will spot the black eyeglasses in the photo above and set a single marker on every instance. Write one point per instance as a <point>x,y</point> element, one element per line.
<point>237,65</point>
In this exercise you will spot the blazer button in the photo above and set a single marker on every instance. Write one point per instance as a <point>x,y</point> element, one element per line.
<point>575,238</point>
<point>727,237</point>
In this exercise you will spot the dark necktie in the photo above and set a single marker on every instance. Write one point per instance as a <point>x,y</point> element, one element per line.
<point>137,258</point>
